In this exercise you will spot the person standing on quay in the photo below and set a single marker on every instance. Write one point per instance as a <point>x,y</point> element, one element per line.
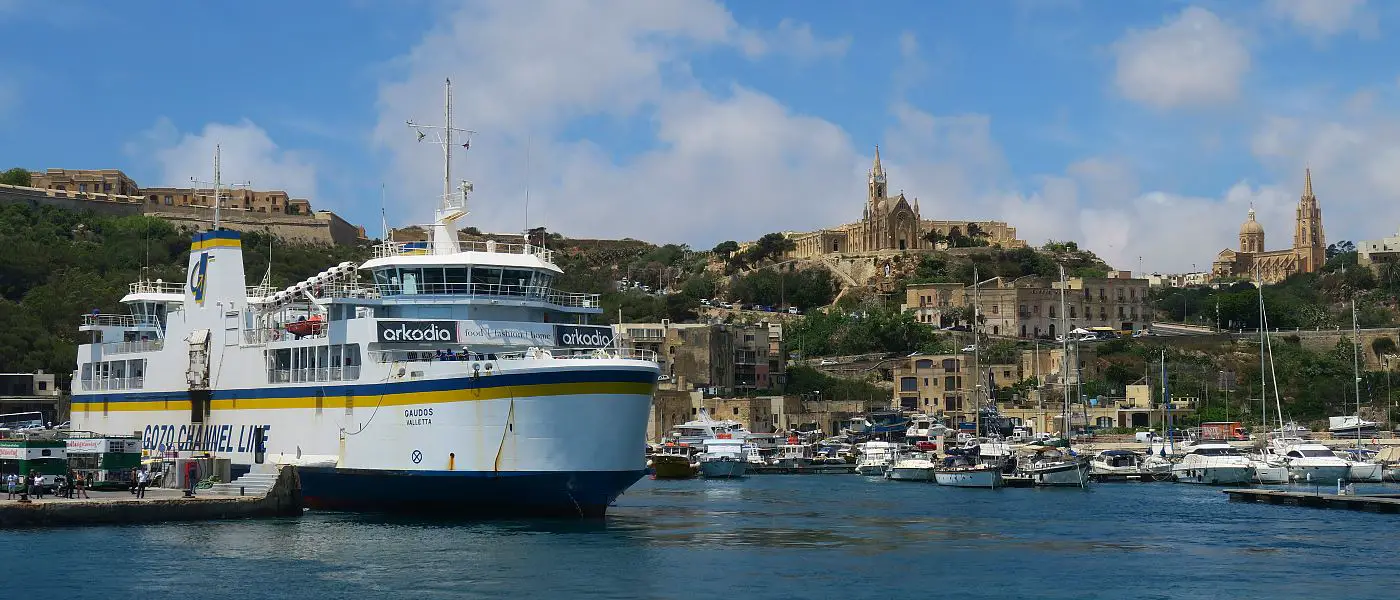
<point>12,486</point>
<point>80,483</point>
<point>135,475</point>
<point>142,478</point>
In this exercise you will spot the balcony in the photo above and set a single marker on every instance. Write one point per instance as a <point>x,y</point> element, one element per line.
<point>479,290</point>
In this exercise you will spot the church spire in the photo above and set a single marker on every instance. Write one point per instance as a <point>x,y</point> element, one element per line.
<point>876,169</point>
<point>1307,178</point>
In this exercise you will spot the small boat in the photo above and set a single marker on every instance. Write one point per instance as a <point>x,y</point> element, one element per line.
<point>704,427</point>
<point>1268,468</point>
<point>1118,464</point>
<point>1214,463</point>
<point>306,327</point>
<point>1389,460</point>
<point>962,468</point>
<point>912,467</point>
<point>874,458</point>
<point>1364,468</point>
<point>923,428</point>
<point>1350,425</point>
<point>674,461</point>
<point>1049,466</point>
<point>723,458</point>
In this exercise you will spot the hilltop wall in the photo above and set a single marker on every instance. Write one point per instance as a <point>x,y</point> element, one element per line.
<point>323,227</point>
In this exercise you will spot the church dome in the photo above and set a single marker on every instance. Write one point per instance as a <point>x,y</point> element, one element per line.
<point>1250,226</point>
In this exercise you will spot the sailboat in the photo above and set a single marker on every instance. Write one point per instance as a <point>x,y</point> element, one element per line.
<point>964,467</point>
<point>1052,466</point>
<point>1361,469</point>
<point>1268,467</point>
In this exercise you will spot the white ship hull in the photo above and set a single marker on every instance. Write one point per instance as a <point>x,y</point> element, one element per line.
<point>1365,472</point>
<point>978,477</point>
<point>1318,473</point>
<point>1068,473</point>
<point>911,471</point>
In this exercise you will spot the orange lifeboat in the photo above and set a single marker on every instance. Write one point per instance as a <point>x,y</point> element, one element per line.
<point>312,326</point>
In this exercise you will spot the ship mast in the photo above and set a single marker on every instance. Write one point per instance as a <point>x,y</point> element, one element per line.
<point>454,204</point>
<point>217,185</point>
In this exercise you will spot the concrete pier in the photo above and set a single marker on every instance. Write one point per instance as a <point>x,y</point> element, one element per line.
<point>1386,503</point>
<point>283,499</point>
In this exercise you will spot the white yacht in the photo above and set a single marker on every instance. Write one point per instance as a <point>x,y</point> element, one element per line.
<point>915,466</point>
<point>875,457</point>
<point>723,458</point>
<point>1269,468</point>
<point>1213,463</point>
<point>442,375</point>
<point>1311,462</point>
<point>1362,464</point>
<point>1118,464</point>
<point>703,427</point>
<point>923,428</point>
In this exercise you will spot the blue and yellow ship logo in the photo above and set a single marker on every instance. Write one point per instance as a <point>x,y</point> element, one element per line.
<point>198,277</point>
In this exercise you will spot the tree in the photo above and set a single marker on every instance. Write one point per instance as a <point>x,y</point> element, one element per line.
<point>726,248</point>
<point>934,238</point>
<point>16,176</point>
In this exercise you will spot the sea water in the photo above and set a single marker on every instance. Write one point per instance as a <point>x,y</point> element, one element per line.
<point>768,536</point>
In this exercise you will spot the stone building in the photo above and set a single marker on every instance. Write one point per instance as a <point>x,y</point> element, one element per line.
<point>891,223</point>
<point>1029,307</point>
<point>275,201</point>
<point>719,359</point>
<point>942,384</point>
<point>97,181</point>
<point>1376,254</point>
<point>1254,263</point>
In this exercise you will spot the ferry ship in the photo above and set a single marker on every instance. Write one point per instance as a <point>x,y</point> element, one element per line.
<point>439,376</point>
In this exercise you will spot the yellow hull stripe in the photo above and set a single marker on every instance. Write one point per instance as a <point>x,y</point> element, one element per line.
<point>214,243</point>
<point>371,401</point>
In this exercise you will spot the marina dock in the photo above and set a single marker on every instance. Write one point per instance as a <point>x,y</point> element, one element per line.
<point>1386,503</point>
<point>160,505</point>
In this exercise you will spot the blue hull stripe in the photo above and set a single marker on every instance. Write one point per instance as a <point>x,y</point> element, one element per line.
<point>401,387</point>
<point>465,494</point>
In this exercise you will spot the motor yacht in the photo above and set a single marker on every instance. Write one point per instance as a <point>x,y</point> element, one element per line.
<point>1311,462</point>
<point>1118,464</point>
<point>963,468</point>
<point>1051,466</point>
<point>1214,463</point>
<point>723,458</point>
<point>916,466</point>
<point>874,458</point>
<point>703,427</point>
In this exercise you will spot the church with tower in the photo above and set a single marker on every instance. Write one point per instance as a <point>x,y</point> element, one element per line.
<point>893,224</point>
<point>1254,263</point>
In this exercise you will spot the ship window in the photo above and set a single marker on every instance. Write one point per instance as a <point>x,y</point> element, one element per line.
<point>486,280</point>
<point>381,281</point>
<point>515,282</point>
<point>409,279</point>
<point>432,281</point>
<point>457,279</point>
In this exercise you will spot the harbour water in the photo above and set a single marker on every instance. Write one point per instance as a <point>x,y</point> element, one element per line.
<point>771,537</point>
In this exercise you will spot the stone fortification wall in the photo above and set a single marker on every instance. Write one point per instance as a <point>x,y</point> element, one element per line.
<point>323,227</point>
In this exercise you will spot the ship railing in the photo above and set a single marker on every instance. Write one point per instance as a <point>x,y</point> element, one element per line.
<point>133,346</point>
<point>490,290</point>
<point>260,336</point>
<point>156,287</point>
<point>101,320</point>
<point>392,249</point>
<point>113,383</point>
<point>314,374</point>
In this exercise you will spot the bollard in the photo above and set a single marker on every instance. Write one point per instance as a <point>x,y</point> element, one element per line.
<point>452,461</point>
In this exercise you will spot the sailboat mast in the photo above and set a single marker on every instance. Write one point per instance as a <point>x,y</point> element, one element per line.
<point>976,363</point>
<point>1064,357</point>
<point>1356,367</point>
<point>1166,402</point>
<point>1263,383</point>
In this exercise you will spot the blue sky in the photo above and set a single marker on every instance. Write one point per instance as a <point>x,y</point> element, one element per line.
<point>1140,129</point>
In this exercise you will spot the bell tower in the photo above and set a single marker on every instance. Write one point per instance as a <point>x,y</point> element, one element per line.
<point>877,180</point>
<point>1309,240</point>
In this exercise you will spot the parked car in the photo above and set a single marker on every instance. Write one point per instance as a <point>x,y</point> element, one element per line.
<point>826,362</point>
<point>970,348</point>
<point>792,310</point>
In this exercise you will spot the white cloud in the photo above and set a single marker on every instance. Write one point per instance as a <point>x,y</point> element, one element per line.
<point>247,155</point>
<point>796,39</point>
<point>1322,18</point>
<point>732,164</point>
<point>1192,60</point>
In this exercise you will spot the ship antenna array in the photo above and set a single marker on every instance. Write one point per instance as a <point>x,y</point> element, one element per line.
<point>442,135</point>
<point>217,185</point>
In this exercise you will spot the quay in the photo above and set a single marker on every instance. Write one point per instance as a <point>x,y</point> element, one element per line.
<point>1386,503</point>
<point>160,505</point>
<point>827,469</point>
